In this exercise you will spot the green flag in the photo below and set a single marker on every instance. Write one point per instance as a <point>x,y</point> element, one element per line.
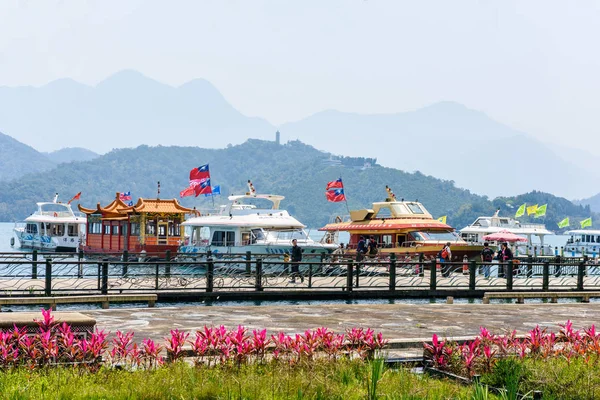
<point>541,211</point>
<point>564,223</point>
<point>521,211</point>
<point>586,222</point>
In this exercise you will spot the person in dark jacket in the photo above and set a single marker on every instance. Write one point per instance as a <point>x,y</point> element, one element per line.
<point>361,249</point>
<point>296,258</point>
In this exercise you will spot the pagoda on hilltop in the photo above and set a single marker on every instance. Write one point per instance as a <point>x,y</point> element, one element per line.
<point>151,225</point>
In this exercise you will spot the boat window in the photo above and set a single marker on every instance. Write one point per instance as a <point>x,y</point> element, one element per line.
<point>115,230</point>
<point>415,236</point>
<point>162,230</point>
<point>32,228</point>
<point>440,236</point>
<point>386,241</point>
<point>400,239</point>
<point>72,230</point>
<point>58,230</point>
<point>134,229</point>
<point>150,227</point>
<point>106,229</point>
<point>95,227</point>
<point>223,238</point>
<point>257,234</point>
<point>245,238</point>
<point>415,208</point>
<point>384,212</point>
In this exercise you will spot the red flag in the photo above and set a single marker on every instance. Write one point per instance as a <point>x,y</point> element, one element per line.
<point>337,184</point>
<point>201,187</point>
<point>76,197</point>
<point>336,195</point>
<point>202,172</point>
<point>186,192</point>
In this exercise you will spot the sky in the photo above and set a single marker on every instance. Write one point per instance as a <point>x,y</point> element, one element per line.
<point>531,64</point>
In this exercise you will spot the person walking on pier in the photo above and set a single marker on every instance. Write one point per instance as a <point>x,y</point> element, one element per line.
<point>445,258</point>
<point>361,249</point>
<point>487,255</point>
<point>296,259</point>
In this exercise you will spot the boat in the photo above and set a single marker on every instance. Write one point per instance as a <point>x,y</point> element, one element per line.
<point>583,241</point>
<point>483,226</point>
<point>241,226</point>
<point>150,226</point>
<point>400,227</point>
<point>52,227</point>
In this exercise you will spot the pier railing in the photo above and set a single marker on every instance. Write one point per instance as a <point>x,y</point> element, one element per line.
<point>247,276</point>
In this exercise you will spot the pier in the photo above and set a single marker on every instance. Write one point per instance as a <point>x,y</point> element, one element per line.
<point>201,277</point>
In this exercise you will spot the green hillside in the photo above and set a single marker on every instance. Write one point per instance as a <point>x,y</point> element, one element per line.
<point>295,170</point>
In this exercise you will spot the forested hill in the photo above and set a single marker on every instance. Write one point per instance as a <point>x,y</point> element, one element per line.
<point>295,170</point>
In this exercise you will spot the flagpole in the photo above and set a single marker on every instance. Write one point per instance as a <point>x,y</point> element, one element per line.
<point>345,195</point>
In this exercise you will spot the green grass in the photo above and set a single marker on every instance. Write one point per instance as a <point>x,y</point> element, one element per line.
<point>316,380</point>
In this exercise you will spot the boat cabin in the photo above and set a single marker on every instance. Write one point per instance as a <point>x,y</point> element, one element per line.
<point>151,225</point>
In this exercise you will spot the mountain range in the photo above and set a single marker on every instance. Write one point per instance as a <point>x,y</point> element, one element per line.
<point>446,140</point>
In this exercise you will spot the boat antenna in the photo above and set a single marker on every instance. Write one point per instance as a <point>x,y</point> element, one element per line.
<point>55,198</point>
<point>158,191</point>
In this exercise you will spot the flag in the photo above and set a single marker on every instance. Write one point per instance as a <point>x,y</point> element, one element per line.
<point>125,196</point>
<point>335,195</point>
<point>202,187</point>
<point>442,219</point>
<point>215,190</point>
<point>586,222</point>
<point>541,211</point>
<point>188,191</point>
<point>202,172</point>
<point>76,197</point>
<point>521,211</point>
<point>564,223</point>
<point>337,184</point>
<point>532,209</point>
<point>130,203</point>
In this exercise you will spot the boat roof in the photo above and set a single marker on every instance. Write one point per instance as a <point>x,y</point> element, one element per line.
<point>274,198</point>
<point>277,220</point>
<point>54,212</point>
<point>583,232</point>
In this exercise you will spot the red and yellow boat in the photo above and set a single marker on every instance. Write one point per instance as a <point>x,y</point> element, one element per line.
<point>151,225</point>
<point>400,227</point>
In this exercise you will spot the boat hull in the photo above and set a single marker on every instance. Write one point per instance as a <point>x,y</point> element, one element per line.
<point>46,243</point>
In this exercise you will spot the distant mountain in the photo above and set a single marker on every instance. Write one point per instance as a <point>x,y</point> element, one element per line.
<point>70,154</point>
<point>124,110</point>
<point>449,141</point>
<point>18,159</point>
<point>295,170</point>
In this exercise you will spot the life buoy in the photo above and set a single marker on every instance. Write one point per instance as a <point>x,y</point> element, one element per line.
<point>338,219</point>
<point>55,214</point>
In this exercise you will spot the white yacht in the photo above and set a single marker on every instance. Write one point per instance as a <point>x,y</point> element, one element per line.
<point>535,233</point>
<point>240,227</point>
<point>53,227</point>
<point>583,241</point>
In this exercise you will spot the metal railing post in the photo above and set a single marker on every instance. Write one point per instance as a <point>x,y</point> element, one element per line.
<point>210,275</point>
<point>349,280</point>
<point>34,265</point>
<point>125,262</point>
<point>545,275</point>
<point>168,263</point>
<point>580,275</point>
<point>509,275</point>
<point>48,286</point>
<point>248,260</point>
<point>421,267</point>
<point>392,272</point>
<point>104,286</point>
<point>310,275</point>
<point>529,267</point>
<point>156,275</point>
<point>472,274</point>
<point>259,265</point>
<point>357,274</point>
<point>433,275</point>
<point>80,263</point>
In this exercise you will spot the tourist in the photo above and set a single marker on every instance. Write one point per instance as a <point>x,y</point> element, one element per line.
<point>361,249</point>
<point>338,253</point>
<point>445,256</point>
<point>506,256</point>
<point>372,247</point>
<point>296,259</point>
<point>487,256</point>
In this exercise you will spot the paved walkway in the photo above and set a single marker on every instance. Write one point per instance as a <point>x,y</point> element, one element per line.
<point>395,321</point>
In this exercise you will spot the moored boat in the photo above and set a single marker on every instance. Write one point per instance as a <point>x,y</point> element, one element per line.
<point>242,227</point>
<point>400,227</point>
<point>151,226</point>
<point>583,241</point>
<point>483,226</point>
<point>52,227</point>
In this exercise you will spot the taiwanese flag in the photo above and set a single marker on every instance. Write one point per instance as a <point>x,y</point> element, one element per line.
<point>202,172</point>
<point>202,187</point>
<point>335,195</point>
<point>337,184</point>
<point>125,196</point>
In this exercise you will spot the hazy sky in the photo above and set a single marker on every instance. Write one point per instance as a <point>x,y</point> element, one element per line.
<point>533,65</point>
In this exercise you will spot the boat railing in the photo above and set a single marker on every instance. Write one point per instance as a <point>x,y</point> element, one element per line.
<point>535,226</point>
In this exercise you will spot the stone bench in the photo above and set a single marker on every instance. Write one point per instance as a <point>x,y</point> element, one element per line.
<point>80,324</point>
<point>553,296</point>
<point>105,300</point>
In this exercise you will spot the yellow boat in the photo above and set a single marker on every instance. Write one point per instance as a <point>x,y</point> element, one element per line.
<point>400,227</point>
